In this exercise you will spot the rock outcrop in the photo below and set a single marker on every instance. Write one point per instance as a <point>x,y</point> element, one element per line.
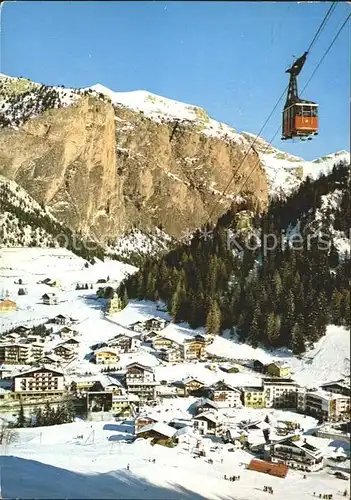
<point>102,167</point>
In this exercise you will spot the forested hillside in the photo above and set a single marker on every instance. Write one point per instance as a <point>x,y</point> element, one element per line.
<point>281,296</point>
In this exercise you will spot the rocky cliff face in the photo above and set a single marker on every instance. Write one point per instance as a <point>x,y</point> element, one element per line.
<point>103,166</point>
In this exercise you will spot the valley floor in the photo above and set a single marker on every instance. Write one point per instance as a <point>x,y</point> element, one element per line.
<point>52,462</point>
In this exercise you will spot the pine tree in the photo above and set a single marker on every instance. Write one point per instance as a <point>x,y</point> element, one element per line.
<point>48,414</point>
<point>345,308</point>
<point>297,339</point>
<point>335,307</point>
<point>273,329</point>
<point>69,411</point>
<point>213,320</point>
<point>254,329</point>
<point>39,417</point>
<point>21,419</point>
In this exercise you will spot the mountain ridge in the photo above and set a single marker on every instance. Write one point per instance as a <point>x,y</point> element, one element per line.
<point>106,163</point>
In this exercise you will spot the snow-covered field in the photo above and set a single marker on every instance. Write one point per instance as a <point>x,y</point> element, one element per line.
<point>53,463</point>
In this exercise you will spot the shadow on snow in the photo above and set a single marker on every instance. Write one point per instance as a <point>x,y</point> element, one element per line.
<point>42,481</point>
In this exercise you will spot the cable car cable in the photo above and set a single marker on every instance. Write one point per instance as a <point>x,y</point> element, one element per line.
<point>323,24</point>
<point>326,52</point>
<point>320,62</point>
<point>321,27</point>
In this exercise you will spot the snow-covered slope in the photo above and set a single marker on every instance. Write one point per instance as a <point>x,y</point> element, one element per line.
<point>161,109</point>
<point>285,172</point>
<point>22,99</point>
<point>330,205</point>
<point>137,242</point>
<point>18,218</point>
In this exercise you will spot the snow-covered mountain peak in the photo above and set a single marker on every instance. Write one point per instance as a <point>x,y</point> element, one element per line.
<point>286,171</point>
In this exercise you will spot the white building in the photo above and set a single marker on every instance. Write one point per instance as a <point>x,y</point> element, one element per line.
<point>124,343</point>
<point>208,423</point>
<point>296,454</point>
<point>39,382</point>
<point>280,392</point>
<point>324,405</point>
<point>225,395</point>
<point>140,380</point>
<point>173,355</point>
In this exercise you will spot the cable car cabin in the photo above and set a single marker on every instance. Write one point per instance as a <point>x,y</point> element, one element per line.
<point>300,120</point>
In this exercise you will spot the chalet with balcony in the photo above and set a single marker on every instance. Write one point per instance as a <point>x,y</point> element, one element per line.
<point>194,348</point>
<point>297,454</point>
<point>143,420</point>
<point>208,423</point>
<point>173,355</point>
<point>189,386</point>
<point>65,352</point>
<point>203,405</point>
<point>158,431</point>
<point>140,380</point>
<point>323,405</point>
<point>123,343</point>
<point>15,354</point>
<point>225,395</point>
<point>341,386</point>
<point>152,324</point>
<point>161,342</point>
<point>107,356</point>
<point>67,333</point>
<point>72,343</point>
<point>40,383</point>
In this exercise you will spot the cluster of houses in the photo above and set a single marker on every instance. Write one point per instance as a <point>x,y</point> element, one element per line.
<point>259,437</point>
<point>276,389</point>
<point>128,395</point>
<point>152,332</point>
<point>21,346</point>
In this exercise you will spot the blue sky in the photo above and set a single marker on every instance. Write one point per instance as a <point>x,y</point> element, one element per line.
<point>229,58</point>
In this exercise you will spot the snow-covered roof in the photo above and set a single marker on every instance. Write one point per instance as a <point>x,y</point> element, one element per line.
<point>158,427</point>
<point>64,346</point>
<point>206,401</point>
<point>139,365</point>
<point>220,383</point>
<point>106,381</point>
<point>305,446</point>
<point>107,349</point>
<point>207,416</point>
<point>191,379</point>
<point>43,367</point>
<point>280,363</point>
<point>185,431</point>
<point>328,396</point>
<point>342,383</point>
<point>235,432</point>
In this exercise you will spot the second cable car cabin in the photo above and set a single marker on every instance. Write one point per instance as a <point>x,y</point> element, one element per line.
<point>300,117</point>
